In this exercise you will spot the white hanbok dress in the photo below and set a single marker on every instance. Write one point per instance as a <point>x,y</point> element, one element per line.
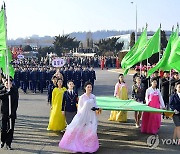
<point>81,133</point>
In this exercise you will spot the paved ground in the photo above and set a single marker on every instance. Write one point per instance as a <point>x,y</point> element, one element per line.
<point>31,135</point>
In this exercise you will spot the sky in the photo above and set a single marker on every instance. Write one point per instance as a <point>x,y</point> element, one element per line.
<point>54,17</point>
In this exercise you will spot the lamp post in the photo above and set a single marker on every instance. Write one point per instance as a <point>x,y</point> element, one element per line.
<point>136,22</point>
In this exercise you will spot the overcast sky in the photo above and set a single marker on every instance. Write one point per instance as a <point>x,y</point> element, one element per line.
<point>52,17</point>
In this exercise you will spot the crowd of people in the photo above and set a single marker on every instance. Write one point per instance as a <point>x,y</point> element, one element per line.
<point>76,116</point>
<point>161,92</point>
<point>40,77</point>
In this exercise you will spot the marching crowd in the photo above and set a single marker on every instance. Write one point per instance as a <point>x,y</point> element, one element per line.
<point>76,116</point>
<point>161,92</point>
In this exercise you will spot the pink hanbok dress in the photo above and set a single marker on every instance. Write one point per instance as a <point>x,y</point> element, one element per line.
<point>151,122</point>
<point>81,133</point>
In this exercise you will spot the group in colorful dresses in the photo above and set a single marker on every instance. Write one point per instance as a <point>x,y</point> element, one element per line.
<point>76,116</point>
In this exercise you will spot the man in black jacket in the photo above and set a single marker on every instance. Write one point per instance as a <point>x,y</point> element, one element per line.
<point>6,132</point>
<point>165,88</point>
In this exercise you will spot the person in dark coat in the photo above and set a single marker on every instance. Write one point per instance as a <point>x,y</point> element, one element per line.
<point>157,77</point>
<point>173,81</point>
<point>6,133</point>
<point>42,79</point>
<point>136,74</point>
<point>25,79</point>
<point>138,94</point>
<point>85,76</point>
<point>92,76</point>
<point>17,78</point>
<point>70,101</point>
<point>77,78</point>
<point>145,80</point>
<point>51,86</point>
<point>165,88</point>
<point>175,106</point>
<point>34,79</point>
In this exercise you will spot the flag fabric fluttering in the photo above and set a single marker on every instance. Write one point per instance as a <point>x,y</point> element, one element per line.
<point>151,47</point>
<point>137,46</point>
<point>163,62</point>
<point>174,58</point>
<point>5,53</point>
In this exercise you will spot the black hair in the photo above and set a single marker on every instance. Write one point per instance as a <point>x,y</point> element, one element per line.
<point>58,80</point>
<point>153,79</point>
<point>85,85</point>
<point>122,76</point>
<point>175,73</point>
<point>70,81</point>
<point>177,83</point>
<point>54,77</point>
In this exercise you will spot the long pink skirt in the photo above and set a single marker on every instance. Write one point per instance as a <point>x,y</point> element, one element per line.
<point>151,122</point>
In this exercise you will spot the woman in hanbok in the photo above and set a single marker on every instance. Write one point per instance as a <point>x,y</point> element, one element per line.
<point>57,119</point>
<point>81,133</point>
<point>120,92</point>
<point>151,122</point>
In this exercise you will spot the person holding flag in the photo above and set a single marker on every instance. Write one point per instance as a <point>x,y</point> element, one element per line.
<point>6,131</point>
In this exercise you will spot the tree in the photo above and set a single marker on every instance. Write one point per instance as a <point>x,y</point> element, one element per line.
<point>64,44</point>
<point>43,51</point>
<point>132,39</point>
<point>110,44</point>
<point>27,48</point>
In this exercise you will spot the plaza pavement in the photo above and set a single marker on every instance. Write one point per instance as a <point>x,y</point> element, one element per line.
<point>31,135</point>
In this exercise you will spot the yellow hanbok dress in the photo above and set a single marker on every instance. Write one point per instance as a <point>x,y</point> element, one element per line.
<point>57,119</point>
<point>120,92</point>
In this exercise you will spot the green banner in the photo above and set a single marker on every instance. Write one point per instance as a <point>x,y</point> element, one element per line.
<point>112,103</point>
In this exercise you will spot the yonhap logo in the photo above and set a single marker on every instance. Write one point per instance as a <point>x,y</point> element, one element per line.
<point>153,141</point>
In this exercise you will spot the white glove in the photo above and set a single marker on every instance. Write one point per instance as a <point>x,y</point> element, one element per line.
<point>176,112</point>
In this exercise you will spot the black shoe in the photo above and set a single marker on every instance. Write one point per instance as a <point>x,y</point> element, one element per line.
<point>2,144</point>
<point>8,147</point>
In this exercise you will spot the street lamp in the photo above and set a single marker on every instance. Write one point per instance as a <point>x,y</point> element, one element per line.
<point>136,22</point>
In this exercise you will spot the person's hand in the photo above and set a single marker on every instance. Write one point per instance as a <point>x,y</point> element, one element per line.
<point>99,111</point>
<point>176,112</point>
<point>63,113</point>
<point>11,115</point>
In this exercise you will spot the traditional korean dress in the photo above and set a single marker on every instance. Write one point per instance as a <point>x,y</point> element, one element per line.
<point>151,121</point>
<point>81,133</point>
<point>57,119</point>
<point>120,92</point>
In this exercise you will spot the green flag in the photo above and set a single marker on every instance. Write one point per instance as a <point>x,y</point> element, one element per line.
<point>5,53</point>
<point>174,58</point>
<point>137,46</point>
<point>163,63</point>
<point>2,31</point>
<point>151,47</point>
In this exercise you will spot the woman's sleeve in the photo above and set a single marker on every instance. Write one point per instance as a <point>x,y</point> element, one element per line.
<point>116,89</point>
<point>53,95</point>
<point>172,106</point>
<point>146,97</point>
<point>95,102</point>
<point>161,99</point>
<point>80,103</point>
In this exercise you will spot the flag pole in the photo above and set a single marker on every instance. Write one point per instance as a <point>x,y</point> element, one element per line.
<point>159,53</point>
<point>147,58</point>
<point>7,67</point>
